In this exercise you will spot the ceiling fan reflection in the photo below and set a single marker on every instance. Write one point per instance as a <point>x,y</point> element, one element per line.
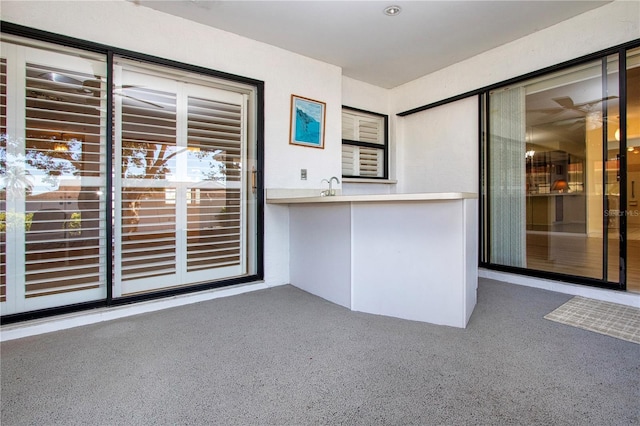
<point>92,86</point>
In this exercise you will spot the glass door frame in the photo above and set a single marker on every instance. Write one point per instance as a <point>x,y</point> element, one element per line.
<point>623,166</point>
<point>621,284</point>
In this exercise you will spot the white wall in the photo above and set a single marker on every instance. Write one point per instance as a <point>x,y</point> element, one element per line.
<point>438,149</point>
<point>126,25</point>
<point>357,94</point>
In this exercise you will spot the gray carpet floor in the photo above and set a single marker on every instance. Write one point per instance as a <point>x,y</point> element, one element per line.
<point>284,357</point>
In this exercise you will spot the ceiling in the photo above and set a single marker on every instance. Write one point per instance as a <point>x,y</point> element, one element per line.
<point>369,46</point>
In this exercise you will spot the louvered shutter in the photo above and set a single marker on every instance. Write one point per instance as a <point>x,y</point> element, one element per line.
<point>214,207</point>
<point>64,181</point>
<point>182,151</point>
<point>148,214</point>
<point>363,144</point>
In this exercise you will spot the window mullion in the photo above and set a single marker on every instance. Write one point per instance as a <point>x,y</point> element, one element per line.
<point>108,141</point>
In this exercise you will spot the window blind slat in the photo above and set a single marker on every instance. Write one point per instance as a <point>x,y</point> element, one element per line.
<point>83,283</point>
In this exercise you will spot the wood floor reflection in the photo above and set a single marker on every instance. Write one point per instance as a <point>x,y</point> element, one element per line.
<point>582,256</point>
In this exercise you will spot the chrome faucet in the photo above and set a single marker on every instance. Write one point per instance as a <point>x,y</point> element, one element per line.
<point>329,191</point>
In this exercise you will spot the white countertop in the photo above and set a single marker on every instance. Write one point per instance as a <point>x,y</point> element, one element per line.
<point>428,196</point>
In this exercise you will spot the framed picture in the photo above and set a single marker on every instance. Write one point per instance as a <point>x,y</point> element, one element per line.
<point>307,122</point>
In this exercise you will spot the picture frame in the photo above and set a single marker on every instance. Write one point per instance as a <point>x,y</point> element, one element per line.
<point>307,122</point>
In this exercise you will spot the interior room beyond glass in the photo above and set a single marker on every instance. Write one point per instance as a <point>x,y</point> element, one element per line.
<point>562,172</point>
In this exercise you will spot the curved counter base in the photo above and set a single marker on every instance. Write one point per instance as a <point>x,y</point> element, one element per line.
<point>408,258</point>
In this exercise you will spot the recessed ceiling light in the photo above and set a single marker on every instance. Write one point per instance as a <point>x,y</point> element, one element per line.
<point>392,10</point>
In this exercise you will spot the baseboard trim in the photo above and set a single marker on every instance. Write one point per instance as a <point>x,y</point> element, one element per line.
<point>620,297</point>
<point>77,319</point>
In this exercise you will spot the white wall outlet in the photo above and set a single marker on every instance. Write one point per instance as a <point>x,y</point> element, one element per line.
<point>303,174</point>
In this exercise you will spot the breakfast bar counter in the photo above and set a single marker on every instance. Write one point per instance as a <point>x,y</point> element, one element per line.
<point>411,256</point>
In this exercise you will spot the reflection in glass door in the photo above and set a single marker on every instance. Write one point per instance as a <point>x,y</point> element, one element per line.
<point>53,179</point>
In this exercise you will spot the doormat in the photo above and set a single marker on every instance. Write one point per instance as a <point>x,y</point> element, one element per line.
<point>612,319</point>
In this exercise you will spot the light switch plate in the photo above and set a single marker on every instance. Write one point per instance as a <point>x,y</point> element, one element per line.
<point>303,174</point>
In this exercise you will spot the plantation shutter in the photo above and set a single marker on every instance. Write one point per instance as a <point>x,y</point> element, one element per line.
<point>63,182</point>
<point>148,214</point>
<point>214,223</point>
<point>363,145</point>
<point>182,152</point>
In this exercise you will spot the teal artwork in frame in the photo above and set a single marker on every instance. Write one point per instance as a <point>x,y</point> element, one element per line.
<point>307,122</point>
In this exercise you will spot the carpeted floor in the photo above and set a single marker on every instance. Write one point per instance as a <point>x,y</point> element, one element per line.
<point>284,357</point>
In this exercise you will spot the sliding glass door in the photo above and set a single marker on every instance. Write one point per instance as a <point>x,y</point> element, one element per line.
<point>554,168</point>
<point>107,192</point>
<point>182,207</point>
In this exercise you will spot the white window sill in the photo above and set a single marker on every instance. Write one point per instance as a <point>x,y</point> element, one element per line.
<point>364,180</point>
